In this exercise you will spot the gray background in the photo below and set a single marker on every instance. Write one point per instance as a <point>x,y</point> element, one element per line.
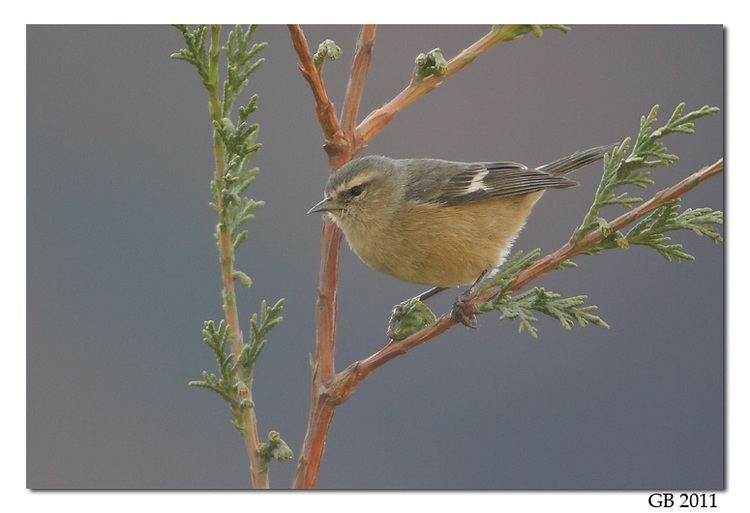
<point>122,271</point>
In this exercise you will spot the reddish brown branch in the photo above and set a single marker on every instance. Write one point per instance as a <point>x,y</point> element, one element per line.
<point>339,149</point>
<point>377,120</point>
<point>324,110</point>
<point>357,75</point>
<point>313,446</point>
<point>326,304</point>
<point>552,261</point>
<point>348,379</point>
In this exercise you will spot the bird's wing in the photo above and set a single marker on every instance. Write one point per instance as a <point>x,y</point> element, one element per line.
<point>453,183</point>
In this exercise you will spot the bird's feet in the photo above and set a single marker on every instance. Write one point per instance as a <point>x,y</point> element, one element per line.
<point>394,323</point>
<point>458,312</point>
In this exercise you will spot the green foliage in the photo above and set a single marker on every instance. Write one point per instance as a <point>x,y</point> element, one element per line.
<point>522,306</point>
<point>243,278</point>
<point>235,143</point>
<point>226,385</point>
<point>651,231</point>
<point>196,52</point>
<point>259,328</point>
<point>275,450</point>
<point>622,169</point>
<point>504,276</point>
<point>408,318</point>
<point>511,32</point>
<point>431,63</point>
<point>328,49</point>
<point>239,55</point>
<point>567,310</point>
<point>567,264</point>
<point>238,139</point>
<point>235,374</point>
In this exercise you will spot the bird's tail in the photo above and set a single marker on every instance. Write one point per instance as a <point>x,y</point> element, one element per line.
<point>579,159</point>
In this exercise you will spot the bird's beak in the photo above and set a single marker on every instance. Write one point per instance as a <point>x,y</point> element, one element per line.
<point>325,205</point>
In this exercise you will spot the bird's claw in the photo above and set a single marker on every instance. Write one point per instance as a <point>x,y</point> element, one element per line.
<point>458,313</point>
<point>394,323</point>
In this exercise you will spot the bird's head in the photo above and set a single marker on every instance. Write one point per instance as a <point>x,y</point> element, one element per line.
<point>363,192</point>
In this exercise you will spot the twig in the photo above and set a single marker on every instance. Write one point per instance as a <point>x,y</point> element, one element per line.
<point>569,250</point>
<point>258,476</point>
<point>325,111</point>
<point>321,410</point>
<point>357,75</point>
<point>377,120</point>
<point>347,380</point>
<point>338,147</point>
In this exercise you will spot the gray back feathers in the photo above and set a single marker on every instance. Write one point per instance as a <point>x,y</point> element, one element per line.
<point>442,182</point>
<point>454,183</point>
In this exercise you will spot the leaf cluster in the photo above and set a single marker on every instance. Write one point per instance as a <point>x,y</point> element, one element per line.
<point>328,49</point>
<point>275,449</point>
<point>236,373</point>
<point>504,276</point>
<point>227,384</point>
<point>652,231</point>
<point>408,318</point>
<point>259,328</point>
<point>430,63</point>
<point>568,310</point>
<point>235,143</point>
<point>196,52</point>
<point>622,168</point>
<point>238,139</point>
<point>512,32</point>
<point>239,55</point>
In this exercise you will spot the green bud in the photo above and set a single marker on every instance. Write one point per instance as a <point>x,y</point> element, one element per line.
<point>431,63</point>
<point>327,49</point>
<point>409,318</point>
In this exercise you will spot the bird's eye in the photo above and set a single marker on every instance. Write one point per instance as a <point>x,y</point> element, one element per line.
<point>357,190</point>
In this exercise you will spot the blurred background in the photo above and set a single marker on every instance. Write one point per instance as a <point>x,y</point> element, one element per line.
<point>123,270</point>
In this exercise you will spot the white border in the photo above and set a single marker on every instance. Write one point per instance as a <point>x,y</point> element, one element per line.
<point>17,498</point>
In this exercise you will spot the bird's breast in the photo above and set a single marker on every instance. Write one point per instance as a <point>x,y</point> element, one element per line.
<point>445,246</point>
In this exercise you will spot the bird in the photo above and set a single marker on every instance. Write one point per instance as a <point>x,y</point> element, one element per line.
<point>436,222</point>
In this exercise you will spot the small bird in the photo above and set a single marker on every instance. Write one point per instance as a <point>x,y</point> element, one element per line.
<point>439,223</point>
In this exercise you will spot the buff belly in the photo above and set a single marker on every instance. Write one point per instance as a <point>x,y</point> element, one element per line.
<point>445,246</point>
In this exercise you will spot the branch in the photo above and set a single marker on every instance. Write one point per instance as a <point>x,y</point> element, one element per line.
<point>339,152</point>
<point>347,380</point>
<point>377,120</point>
<point>569,250</point>
<point>325,110</point>
<point>357,75</point>
<point>226,257</point>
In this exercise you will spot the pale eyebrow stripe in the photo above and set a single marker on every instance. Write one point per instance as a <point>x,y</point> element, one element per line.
<point>360,179</point>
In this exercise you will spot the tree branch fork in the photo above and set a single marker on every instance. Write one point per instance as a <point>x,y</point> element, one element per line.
<point>343,140</point>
